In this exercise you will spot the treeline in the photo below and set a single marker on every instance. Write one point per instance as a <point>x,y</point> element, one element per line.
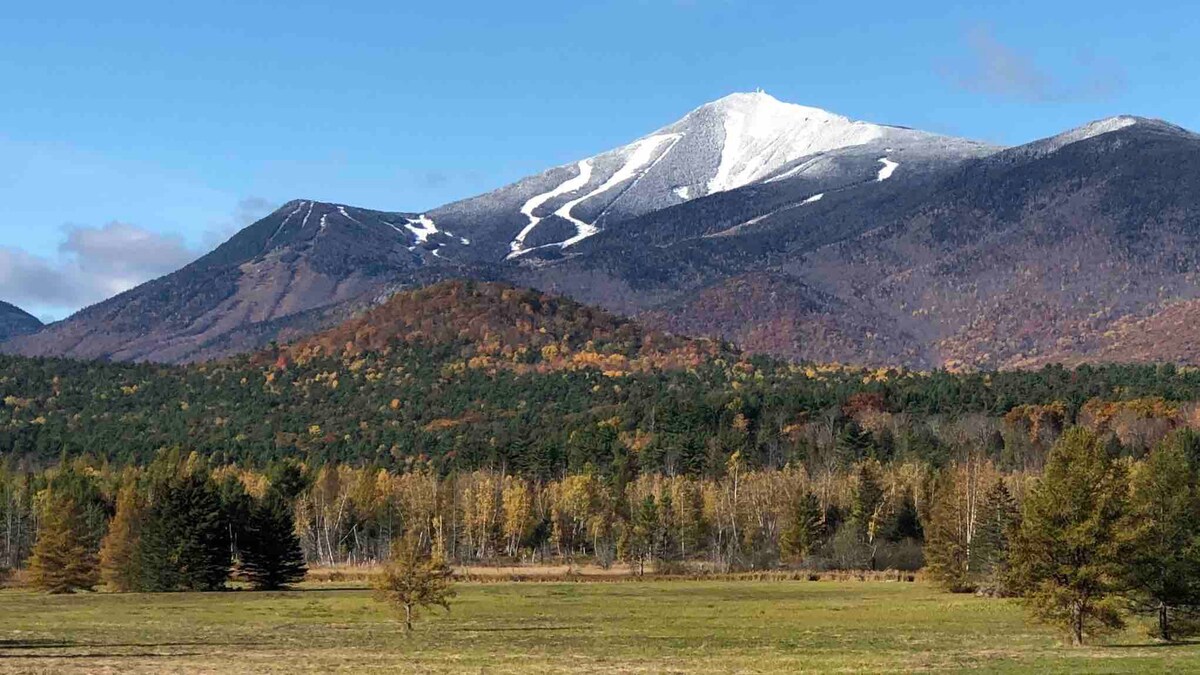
<point>1096,538</point>
<point>1097,534</point>
<point>174,525</point>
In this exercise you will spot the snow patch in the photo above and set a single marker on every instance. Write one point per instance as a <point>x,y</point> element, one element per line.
<point>889,167</point>
<point>815,198</point>
<point>1091,130</point>
<point>763,134</point>
<point>421,226</point>
<point>684,192</point>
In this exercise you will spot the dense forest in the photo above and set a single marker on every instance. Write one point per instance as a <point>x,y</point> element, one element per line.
<point>485,423</point>
<point>463,376</point>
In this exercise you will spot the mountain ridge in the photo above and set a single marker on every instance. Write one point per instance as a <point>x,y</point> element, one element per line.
<point>849,241</point>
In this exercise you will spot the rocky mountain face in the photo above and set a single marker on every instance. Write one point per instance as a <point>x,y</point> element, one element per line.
<point>788,230</point>
<point>15,321</point>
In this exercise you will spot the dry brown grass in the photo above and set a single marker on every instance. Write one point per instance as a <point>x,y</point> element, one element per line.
<point>364,573</point>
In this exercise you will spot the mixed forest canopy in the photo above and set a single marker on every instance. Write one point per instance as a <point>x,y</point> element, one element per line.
<point>467,375</point>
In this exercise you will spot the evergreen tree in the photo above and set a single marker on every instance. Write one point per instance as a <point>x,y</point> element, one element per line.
<point>1066,557</point>
<point>270,549</point>
<point>644,533</point>
<point>866,508</point>
<point>119,561</point>
<point>999,520</point>
<point>802,532</point>
<point>64,559</point>
<point>949,537</point>
<point>1162,566</point>
<point>185,539</point>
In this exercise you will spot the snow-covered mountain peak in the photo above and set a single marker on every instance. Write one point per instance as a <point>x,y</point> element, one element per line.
<point>757,135</point>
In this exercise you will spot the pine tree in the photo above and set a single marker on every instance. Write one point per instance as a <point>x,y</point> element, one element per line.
<point>413,581</point>
<point>1162,566</point>
<point>802,531</point>
<point>270,549</point>
<point>119,562</point>
<point>185,539</point>
<point>1066,557</point>
<point>644,533</point>
<point>64,560</point>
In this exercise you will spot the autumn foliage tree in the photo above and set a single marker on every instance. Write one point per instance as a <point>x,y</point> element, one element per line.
<point>64,560</point>
<point>414,580</point>
<point>119,566</point>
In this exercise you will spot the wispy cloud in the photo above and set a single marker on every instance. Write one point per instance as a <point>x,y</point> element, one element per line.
<point>993,68</point>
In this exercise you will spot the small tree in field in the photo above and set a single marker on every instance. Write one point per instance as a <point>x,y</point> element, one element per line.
<point>413,581</point>
<point>1067,556</point>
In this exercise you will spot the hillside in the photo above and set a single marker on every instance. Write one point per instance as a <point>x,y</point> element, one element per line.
<point>15,321</point>
<point>462,375</point>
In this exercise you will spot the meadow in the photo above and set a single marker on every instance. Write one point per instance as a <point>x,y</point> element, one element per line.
<point>617,626</point>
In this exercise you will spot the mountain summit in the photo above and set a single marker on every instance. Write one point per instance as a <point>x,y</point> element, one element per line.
<point>739,140</point>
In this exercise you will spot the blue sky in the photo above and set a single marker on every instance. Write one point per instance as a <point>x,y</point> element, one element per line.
<point>136,134</point>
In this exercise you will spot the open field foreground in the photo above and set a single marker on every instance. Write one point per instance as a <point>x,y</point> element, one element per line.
<point>679,626</point>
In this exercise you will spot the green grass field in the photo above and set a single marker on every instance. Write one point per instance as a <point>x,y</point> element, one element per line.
<point>677,626</point>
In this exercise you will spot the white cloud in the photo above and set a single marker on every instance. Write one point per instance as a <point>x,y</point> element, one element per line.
<point>95,263</point>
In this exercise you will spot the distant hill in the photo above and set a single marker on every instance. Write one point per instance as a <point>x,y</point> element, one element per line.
<point>462,375</point>
<point>15,321</point>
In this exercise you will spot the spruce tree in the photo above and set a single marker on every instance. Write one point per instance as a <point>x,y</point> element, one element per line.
<point>1067,557</point>
<point>1162,568</point>
<point>866,509</point>
<point>270,550</point>
<point>185,539</point>
<point>64,559</point>
<point>999,520</point>
<point>803,529</point>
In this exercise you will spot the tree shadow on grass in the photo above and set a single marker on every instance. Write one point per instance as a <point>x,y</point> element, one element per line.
<point>31,644</point>
<point>103,655</point>
<point>1154,645</point>
<point>512,629</point>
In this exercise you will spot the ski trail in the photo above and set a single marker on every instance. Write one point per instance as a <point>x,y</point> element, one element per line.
<point>342,210</point>
<point>426,229</point>
<point>517,245</point>
<point>643,154</point>
<point>284,223</point>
